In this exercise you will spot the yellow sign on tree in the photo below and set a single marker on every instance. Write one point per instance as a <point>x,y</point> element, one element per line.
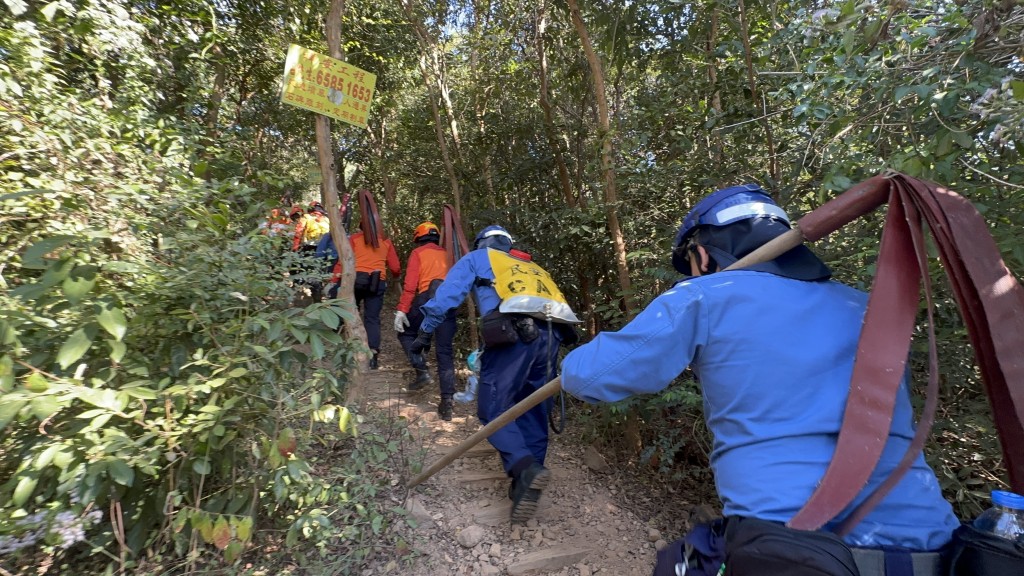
<point>327,86</point>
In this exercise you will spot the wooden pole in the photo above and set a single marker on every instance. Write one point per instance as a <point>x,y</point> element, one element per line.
<point>543,393</point>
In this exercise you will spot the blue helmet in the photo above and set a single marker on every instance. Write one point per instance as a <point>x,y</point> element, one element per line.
<point>493,237</point>
<point>721,208</point>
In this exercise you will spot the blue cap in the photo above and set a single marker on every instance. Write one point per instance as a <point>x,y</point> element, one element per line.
<point>729,205</point>
<point>1008,499</point>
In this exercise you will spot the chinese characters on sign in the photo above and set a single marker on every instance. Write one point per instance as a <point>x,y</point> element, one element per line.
<point>327,86</point>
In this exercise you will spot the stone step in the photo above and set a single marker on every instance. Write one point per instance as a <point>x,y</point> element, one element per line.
<point>481,450</point>
<point>476,477</point>
<point>548,560</point>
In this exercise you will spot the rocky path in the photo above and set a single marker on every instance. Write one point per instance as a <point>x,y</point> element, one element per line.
<point>588,523</point>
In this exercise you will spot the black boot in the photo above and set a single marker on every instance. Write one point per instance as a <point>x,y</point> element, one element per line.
<point>444,409</point>
<point>525,492</point>
<point>373,360</point>
<point>422,379</point>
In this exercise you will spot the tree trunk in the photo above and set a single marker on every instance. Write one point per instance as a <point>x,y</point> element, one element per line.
<point>715,143</point>
<point>545,104</point>
<point>607,161</point>
<point>354,330</point>
<point>773,161</point>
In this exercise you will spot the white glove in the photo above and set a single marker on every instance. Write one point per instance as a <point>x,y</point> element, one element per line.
<point>401,321</point>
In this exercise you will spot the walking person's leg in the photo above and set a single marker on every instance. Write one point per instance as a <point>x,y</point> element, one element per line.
<point>444,338</point>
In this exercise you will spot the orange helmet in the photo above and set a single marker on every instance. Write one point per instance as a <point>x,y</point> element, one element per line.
<point>295,211</point>
<point>426,229</point>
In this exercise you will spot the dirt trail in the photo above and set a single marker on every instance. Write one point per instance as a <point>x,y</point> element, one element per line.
<point>585,525</point>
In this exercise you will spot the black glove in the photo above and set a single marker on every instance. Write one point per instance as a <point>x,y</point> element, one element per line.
<point>421,344</point>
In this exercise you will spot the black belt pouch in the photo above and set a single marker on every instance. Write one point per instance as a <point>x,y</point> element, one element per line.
<point>755,546</point>
<point>977,553</point>
<point>498,329</point>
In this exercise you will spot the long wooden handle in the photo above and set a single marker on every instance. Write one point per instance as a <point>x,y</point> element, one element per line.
<point>769,251</point>
<point>543,393</point>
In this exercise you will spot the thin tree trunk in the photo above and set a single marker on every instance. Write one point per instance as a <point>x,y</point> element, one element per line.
<point>545,104</point>
<point>773,161</point>
<point>380,149</point>
<point>354,329</point>
<point>607,160</point>
<point>715,143</point>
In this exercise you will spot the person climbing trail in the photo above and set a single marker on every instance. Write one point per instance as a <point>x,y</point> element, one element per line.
<point>520,352</point>
<point>424,272</point>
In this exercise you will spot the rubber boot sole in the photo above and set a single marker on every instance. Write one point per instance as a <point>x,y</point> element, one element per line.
<point>526,508</point>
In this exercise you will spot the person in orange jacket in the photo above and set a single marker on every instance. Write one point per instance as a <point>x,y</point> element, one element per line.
<point>370,284</point>
<point>424,272</point>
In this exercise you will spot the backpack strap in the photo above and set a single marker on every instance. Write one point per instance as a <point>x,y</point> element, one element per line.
<point>991,301</point>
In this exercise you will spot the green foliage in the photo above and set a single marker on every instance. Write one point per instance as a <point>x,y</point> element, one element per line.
<point>153,374</point>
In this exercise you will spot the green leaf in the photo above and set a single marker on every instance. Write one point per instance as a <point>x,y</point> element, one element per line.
<point>317,345</point>
<point>34,255</point>
<point>79,283</point>
<point>117,350</point>
<point>113,320</point>
<point>963,139</point>
<point>330,318</point>
<point>1018,89</point>
<point>233,551</point>
<point>74,348</point>
<point>8,410</point>
<point>36,382</point>
<point>201,465</point>
<point>238,372</point>
<point>243,529</point>
<point>901,91</point>
<point>6,374</point>
<point>44,406</point>
<point>23,490</point>
<point>120,472</point>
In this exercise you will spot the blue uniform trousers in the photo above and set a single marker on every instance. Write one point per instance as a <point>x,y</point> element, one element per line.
<point>371,305</point>
<point>444,337</point>
<point>509,374</point>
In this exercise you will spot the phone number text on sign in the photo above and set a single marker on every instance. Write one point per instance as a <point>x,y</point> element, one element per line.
<point>327,86</point>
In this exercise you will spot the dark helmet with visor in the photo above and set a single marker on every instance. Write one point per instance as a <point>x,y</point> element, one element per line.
<point>732,222</point>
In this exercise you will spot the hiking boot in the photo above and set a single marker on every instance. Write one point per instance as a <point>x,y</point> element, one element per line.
<point>445,408</point>
<point>526,490</point>
<point>422,379</point>
<point>373,360</point>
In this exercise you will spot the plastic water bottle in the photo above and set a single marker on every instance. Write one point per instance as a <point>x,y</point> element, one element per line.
<point>469,394</point>
<point>1005,518</point>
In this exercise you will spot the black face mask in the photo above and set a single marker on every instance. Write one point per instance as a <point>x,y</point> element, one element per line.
<point>727,244</point>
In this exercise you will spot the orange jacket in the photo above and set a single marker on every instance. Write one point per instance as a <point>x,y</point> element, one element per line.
<point>427,263</point>
<point>369,259</point>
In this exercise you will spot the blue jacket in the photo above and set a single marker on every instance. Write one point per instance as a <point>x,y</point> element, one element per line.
<point>774,358</point>
<point>457,284</point>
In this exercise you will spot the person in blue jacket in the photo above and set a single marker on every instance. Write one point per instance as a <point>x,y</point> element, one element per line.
<point>508,372</point>
<point>772,346</point>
